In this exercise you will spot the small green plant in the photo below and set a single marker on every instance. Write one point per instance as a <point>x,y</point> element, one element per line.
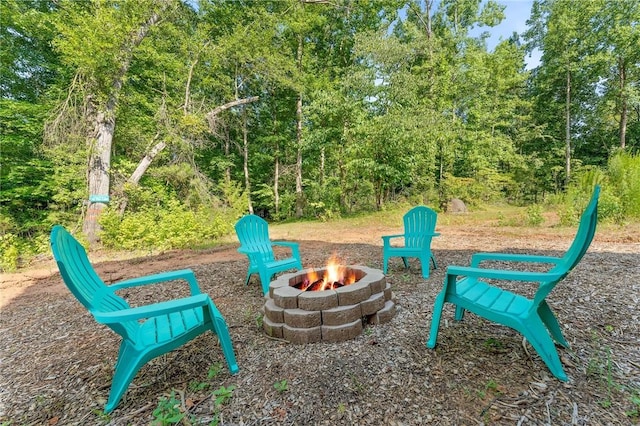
<point>357,385</point>
<point>214,370</point>
<point>100,414</point>
<point>342,407</point>
<point>534,215</point>
<point>196,386</point>
<point>493,344</point>
<point>635,400</point>
<point>281,386</point>
<point>492,386</point>
<point>223,395</point>
<point>259,321</point>
<point>168,411</point>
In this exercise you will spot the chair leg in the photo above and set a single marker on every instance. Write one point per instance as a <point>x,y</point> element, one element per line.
<point>406,262</point>
<point>265,280</point>
<point>536,333</point>
<point>435,320</point>
<point>127,366</point>
<point>459,316</point>
<point>220,328</point>
<point>426,267</point>
<point>385,264</point>
<point>551,323</point>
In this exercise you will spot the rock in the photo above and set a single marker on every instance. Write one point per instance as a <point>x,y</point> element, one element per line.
<point>456,205</point>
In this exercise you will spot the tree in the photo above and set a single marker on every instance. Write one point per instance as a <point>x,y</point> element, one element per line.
<point>104,76</point>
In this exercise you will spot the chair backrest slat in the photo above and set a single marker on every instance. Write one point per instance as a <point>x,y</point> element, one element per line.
<point>253,233</point>
<point>419,223</point>
<point>581,242</point>
<point>83,281</point>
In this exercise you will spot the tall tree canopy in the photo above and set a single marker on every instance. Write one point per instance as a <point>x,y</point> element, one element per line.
<point>302,108</point>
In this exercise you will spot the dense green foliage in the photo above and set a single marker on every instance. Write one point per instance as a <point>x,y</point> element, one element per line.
<point>293,108</point>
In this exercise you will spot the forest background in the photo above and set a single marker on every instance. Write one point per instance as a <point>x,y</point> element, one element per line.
<point>155,124</point>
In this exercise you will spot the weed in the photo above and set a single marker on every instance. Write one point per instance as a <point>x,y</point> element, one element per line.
<point>534,215</point>
<point>196,386</point>
<point>492,343</point>
<point>214,370</point>
<point>258,319</point>
<point>635,400</point>
<point>492,386</point>
<point>356,384</point>
<point>100,414</point>
<point>168,411</point>
<point>281,386</point>
<point>223,395</point>
<point>342,407</point>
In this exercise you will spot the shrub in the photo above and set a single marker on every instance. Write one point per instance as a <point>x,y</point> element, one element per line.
<point>170,227</point>
<point>534,215</point>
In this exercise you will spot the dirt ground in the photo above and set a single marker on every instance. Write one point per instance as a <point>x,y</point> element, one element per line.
<point>56,362</point>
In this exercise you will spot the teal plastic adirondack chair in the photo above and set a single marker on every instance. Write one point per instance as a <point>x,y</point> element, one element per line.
<point>146,331</point>
<point>253,234</point>
<point>533,318</point>
<point>419,230</point>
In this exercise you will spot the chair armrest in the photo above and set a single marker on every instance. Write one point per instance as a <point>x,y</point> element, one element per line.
<point>153,310</point>
<point>295,247</point>
<point>501,274</point>
<point>182,274</point>
<point>510,257</point>
<point>386,239</point>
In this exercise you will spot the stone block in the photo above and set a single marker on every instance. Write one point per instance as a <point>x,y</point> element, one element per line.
<point>341,315</point>
<point>302,335</point>
<point>271,328</point>
<point>388,294</point>
<point>385,314</point>
<point>339,333</point>
<point>299,318</point>
<point>372,304</point>
<point>286,297</point>
<point>273,312</point>
<point>318,300</point>
<point>354,293</point>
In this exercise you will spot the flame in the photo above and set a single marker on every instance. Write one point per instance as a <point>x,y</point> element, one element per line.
<point>335,273</point>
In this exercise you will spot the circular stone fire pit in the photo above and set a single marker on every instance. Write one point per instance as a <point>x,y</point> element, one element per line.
<point>327,315</point>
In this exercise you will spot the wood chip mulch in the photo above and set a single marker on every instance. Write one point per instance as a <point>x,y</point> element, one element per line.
<point>56,361</point>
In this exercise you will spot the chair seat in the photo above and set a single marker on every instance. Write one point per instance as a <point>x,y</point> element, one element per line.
<point>167,328</point>
<point>483,296</point>
<point>282,264</point>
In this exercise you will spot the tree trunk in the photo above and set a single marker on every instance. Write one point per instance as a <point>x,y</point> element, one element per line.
<point>567,164</point>
<point>245,155</point>
<point>100,149</point>
<point>276,165</point>
<point>299,199</point>
<point>624,112</point>
<point>137,174</point>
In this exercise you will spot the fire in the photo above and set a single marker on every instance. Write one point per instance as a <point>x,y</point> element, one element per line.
<point>335,275</point>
